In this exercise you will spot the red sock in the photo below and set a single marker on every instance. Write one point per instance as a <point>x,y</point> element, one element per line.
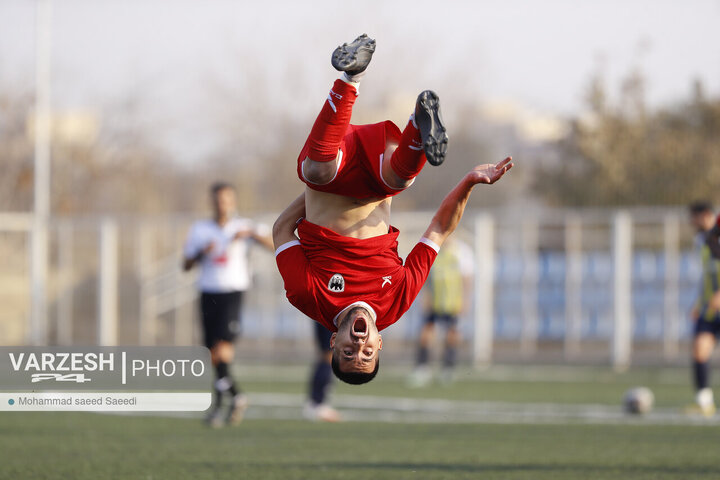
<point>332,123</point>
<point>408,158</point>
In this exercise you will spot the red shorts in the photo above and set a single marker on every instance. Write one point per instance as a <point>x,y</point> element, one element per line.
<point>359,170</point>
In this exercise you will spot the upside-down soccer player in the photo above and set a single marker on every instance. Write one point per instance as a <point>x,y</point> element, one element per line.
<point>344,270</point>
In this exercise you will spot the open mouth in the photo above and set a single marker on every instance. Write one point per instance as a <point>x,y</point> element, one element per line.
<point>360,327</point>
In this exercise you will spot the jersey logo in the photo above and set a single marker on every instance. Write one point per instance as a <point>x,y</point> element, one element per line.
<point>387,280</point>
<point>336,283</point>
<point>221,259</point>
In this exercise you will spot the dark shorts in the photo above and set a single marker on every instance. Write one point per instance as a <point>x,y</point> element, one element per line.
<point>447,318</point>
<point>712,326</point>
<point>220,316</point>
<point>322,335</point>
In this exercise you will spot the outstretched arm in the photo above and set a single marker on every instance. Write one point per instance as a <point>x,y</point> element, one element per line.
<point>284,227</point>
<point>451,209</point>
<point>263,239</point>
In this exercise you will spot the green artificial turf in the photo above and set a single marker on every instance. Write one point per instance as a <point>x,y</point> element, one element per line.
<point>50,445</point>
<point>93,446</point>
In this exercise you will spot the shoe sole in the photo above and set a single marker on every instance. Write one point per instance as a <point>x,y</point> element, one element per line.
<point>431,126</point>
<point>354,57</point>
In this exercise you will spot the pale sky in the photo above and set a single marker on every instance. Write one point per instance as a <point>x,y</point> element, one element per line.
<point>539,54</point>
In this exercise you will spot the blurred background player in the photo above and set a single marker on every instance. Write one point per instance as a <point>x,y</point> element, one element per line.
<point>321,380</point>
<point>350,172</point>
<point>221,246</point>
<point>447,297</point>
<point>706,312</point>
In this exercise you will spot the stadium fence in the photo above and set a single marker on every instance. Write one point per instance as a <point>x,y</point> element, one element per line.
<point>567,286</point>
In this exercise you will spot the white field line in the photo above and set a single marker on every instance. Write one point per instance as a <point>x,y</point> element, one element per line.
<point>412,410</point>
<point>500,373</point>
<point>362,408</point>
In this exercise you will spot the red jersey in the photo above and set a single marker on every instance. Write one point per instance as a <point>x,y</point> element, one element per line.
<point>324,273</point>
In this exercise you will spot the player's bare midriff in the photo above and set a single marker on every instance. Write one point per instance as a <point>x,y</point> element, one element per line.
<point>347,216</point>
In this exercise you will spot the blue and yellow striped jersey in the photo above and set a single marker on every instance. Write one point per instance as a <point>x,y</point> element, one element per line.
<point>446,283</point>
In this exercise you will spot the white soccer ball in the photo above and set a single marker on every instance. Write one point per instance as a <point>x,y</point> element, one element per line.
<point>638,400</point>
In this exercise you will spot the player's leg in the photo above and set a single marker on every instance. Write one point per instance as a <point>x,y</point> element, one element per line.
<point>320,380</point>
<point>703,345</point>
<point>452,340</point>
<point>225,349</point>
<point>321,155</point>
<point>427,334</point>
<point>224,353</point>
<point>209,315</point>
<point>422,374</point>
<point>424,138</point>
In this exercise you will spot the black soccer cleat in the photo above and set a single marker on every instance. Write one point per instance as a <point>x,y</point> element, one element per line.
<point>431,126</point>
<point>354,57</point>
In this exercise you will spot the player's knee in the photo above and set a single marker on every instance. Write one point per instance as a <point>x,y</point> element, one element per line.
<point>703,346</point>
<point>223,351</point>
<point>427,333</point>
<point>701,354</point>
<point>319,173</point>
<point>391,177</point>
<point>453,336</point>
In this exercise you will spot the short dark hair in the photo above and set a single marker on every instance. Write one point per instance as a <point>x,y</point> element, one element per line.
<point>354,378</point>
<point>699,207</point>
<point>220,186</point>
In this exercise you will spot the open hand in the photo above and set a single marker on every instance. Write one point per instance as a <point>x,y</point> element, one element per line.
<point>208,248</point>
<point>490,173</point>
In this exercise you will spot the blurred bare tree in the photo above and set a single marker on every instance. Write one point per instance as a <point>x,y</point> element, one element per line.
<point>624,154</point>
<point>101,163</point>
<point>16,150</point>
